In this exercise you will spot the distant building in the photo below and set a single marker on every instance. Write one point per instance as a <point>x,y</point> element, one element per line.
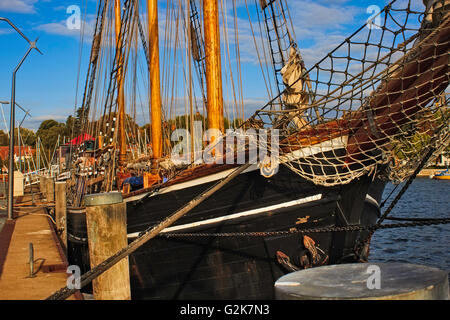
<point>81,139</point>
<point>26,152</point>
<point>442,160</point>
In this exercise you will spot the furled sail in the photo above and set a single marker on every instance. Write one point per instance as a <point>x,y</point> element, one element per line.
<point>295,96</point>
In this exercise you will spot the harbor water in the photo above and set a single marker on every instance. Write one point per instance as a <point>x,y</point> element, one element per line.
<point>426,245</point>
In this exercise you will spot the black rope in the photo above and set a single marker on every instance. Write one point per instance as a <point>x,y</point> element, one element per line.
<point>389,196</point>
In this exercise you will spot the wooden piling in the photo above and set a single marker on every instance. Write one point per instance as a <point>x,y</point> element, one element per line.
<point>50,189</point>
<point>107,234</point>
<point>61,211</point>
<point>42,185</point>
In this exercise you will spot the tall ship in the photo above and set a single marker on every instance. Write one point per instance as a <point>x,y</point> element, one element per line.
<point>317,154</point>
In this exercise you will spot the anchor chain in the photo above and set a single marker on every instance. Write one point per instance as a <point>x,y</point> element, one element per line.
<point>428,222</point>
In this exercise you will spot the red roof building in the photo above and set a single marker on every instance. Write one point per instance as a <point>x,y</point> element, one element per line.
<point>80,139</point>
<point>25,151</point>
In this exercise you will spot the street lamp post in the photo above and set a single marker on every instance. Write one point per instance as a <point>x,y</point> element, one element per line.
<point>12,116</point>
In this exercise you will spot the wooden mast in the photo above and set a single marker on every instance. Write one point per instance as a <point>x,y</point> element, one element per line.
<point>120,86</point>
<point>155,91</point>
<point>213,65</point>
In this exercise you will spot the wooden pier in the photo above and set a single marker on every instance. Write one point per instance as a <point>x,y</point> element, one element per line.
<point>33,225</point>
<point>426,173</point>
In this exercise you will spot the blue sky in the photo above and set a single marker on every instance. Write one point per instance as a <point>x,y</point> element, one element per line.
<point>46,84</point>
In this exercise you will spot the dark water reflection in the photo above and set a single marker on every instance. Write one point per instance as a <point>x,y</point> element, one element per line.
<point>427,245</point>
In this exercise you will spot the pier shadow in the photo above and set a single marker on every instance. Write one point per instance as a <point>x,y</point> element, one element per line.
<point>42,260</point>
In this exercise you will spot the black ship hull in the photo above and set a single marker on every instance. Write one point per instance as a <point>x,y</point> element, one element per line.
<point>239,266</point>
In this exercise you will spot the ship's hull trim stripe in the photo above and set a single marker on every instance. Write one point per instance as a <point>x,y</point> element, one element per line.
<point>237,215</point>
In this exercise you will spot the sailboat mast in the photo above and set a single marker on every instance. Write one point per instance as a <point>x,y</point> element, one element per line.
<point>213,65</point>
<point>120,86</point>
<point>155,90</point>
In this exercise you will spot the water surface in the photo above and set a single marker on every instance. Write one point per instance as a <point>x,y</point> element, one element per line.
<point>427,245</point>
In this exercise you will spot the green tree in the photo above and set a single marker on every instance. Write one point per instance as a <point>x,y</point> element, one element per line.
<point>47,124</point>
<point>73,124</point>
<point>49,131</point>
<point>28,137</point>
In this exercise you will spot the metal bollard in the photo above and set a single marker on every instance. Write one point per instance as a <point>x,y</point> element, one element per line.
<point>31,261</point>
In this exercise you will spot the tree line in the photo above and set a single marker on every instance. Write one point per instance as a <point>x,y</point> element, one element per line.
<point>49,132</point>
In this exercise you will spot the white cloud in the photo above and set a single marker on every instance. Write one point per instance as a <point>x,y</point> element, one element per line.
<point>18,6</point>
<point>315,16</point>
<point>49,116</point>
<point>60,8</point>
<point>35,121</point>
<point>60,28</point>
<point>5,31</point>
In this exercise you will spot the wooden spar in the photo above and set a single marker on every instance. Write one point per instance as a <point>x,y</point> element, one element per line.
<point>213,65</point>
<point>155,91</point>
<point>191,109</point>
<point>121,92</point>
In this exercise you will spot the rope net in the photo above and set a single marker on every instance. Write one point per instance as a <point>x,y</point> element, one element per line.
<point>377,101</point>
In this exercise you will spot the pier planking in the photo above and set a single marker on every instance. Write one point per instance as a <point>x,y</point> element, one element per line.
<point>50,263</point>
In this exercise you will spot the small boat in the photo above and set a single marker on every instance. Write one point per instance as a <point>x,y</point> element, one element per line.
<point>443,175</point>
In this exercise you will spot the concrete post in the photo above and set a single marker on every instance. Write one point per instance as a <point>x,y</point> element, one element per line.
<point>364,281</point>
